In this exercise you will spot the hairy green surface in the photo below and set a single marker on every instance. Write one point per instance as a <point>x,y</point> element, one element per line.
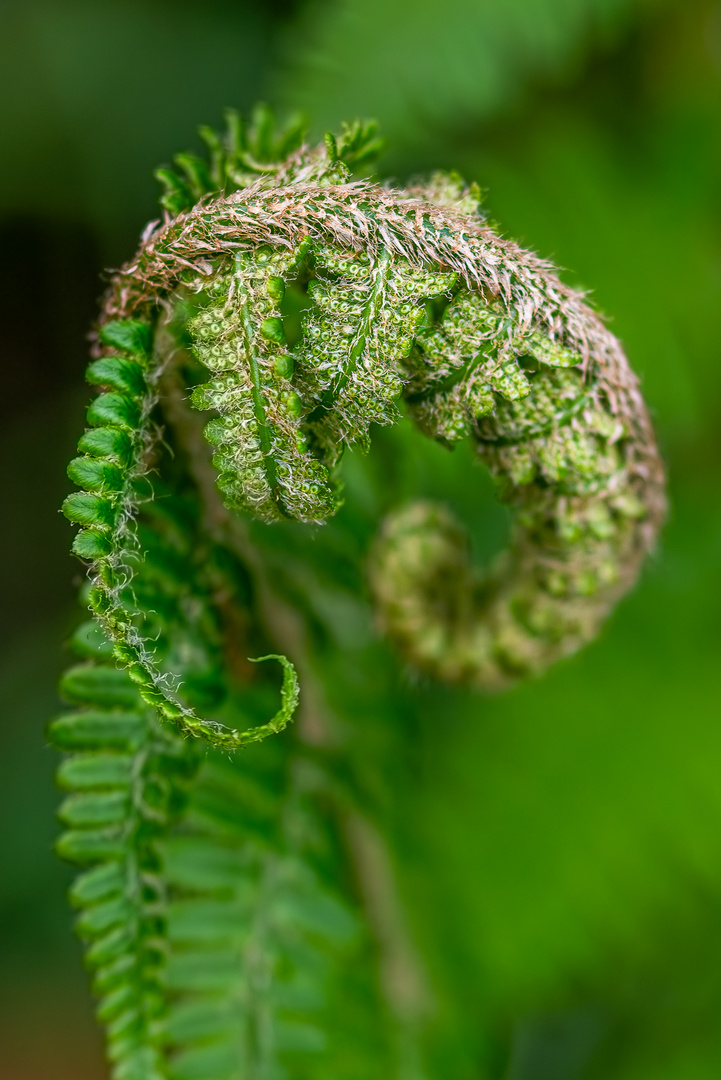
<point>225,900</point>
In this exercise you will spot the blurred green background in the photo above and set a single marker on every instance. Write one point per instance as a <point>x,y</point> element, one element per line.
<point>559,847</point>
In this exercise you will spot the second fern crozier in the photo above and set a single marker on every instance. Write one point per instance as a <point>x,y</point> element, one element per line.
<point>278,312</point>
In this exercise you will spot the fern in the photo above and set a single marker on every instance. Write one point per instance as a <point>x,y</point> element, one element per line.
<point>223,898</point>
<point>207,898</point>
<point>254,930</point>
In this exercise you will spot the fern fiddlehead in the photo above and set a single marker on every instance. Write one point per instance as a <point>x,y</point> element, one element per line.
<point>300,307</point>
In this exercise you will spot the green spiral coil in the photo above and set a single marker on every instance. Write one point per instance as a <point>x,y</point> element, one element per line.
<point>279,312</point>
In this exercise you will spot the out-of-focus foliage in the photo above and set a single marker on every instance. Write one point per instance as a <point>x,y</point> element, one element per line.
<point>96,95</point>
<point>431,70</point>
<point>558,847</point>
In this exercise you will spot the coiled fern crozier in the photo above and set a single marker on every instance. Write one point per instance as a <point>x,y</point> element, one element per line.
<point>278,312</point>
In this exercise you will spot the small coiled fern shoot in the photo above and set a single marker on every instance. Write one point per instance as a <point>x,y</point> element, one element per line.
<point>278,312</point>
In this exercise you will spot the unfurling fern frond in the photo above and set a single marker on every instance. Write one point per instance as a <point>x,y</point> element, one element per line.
<point>299,308</point>
<point>216,933</point>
